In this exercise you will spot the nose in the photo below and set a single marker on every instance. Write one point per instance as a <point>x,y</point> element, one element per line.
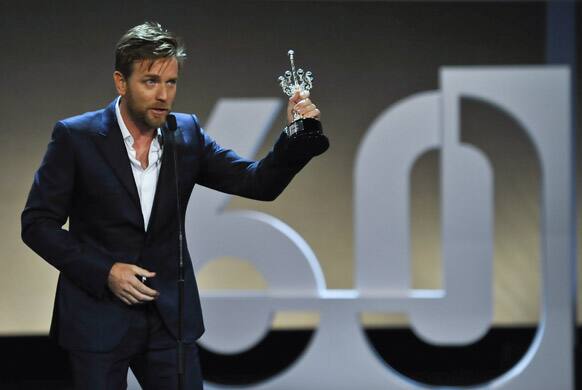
<point>162,93</point>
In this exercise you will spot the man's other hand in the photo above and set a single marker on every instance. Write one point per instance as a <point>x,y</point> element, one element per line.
<point>301,104</point>
<point>124,283</point>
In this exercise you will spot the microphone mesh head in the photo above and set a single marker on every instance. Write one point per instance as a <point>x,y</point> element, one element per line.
<point>171,122</point>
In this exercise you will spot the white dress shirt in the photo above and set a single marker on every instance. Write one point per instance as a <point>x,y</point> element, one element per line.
<point>146,179</point>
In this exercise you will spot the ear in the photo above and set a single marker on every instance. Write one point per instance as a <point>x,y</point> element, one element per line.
<point>120,83</point>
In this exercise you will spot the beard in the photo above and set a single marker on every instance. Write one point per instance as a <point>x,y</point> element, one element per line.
<point>140,116</point>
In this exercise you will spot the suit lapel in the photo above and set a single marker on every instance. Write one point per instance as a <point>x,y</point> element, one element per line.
<point>112,147</point>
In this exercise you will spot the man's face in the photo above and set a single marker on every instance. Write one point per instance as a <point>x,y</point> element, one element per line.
<point>149,91</point>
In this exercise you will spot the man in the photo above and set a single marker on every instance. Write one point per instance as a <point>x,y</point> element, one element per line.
<point>111,174</point>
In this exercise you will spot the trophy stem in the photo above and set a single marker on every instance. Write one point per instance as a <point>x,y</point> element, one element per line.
<point>293,73</point>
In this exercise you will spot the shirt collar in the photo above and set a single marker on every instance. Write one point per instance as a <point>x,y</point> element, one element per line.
<point>124,130</point>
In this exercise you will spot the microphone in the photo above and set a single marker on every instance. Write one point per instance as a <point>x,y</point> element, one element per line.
<point>172,126</point>
<point>171,123</point>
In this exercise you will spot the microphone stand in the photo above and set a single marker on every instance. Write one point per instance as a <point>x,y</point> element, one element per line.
<point>172,127</point>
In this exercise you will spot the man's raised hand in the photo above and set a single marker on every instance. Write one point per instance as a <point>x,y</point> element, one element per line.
<point>302,104</point>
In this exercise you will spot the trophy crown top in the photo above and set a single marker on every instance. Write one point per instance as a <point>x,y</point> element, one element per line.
<point>295,80</point>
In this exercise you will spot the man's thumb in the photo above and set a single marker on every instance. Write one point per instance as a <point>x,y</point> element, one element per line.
<point>144,272</point>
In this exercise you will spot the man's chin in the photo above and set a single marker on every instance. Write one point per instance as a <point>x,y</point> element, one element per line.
<point>156,122</point>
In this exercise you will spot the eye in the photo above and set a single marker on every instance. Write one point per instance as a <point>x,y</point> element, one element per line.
<point>150,82</point>
<point>172,82</point>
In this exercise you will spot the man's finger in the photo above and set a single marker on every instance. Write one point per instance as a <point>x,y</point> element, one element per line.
<point>142,288</point>
<point>312,114</point>
<point>143,272</point>
<point>295,97</point>
<point>298,96</point>
<point>302,103</point>
<point>134,300</point>
<point>129,298</point>
<point>139,296</point>
<point>304,108</point>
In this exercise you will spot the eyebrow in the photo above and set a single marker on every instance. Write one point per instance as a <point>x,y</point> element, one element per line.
<point>156,76</point>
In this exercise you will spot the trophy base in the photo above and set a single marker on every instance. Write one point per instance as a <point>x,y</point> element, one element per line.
<point>306,138</point>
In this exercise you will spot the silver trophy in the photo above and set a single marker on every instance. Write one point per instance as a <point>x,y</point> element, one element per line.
<point>305,134</point>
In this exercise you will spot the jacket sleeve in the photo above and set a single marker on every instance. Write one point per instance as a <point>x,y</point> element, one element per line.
<point>47,210</point>
<point>225,171</point>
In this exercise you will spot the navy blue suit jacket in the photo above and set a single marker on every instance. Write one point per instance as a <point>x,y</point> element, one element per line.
<point>85,177</point>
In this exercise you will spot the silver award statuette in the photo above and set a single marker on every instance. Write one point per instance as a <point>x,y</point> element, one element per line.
<point>305,134</point>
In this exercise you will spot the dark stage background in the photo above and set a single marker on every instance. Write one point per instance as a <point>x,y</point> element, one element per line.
<point>57,61</point>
